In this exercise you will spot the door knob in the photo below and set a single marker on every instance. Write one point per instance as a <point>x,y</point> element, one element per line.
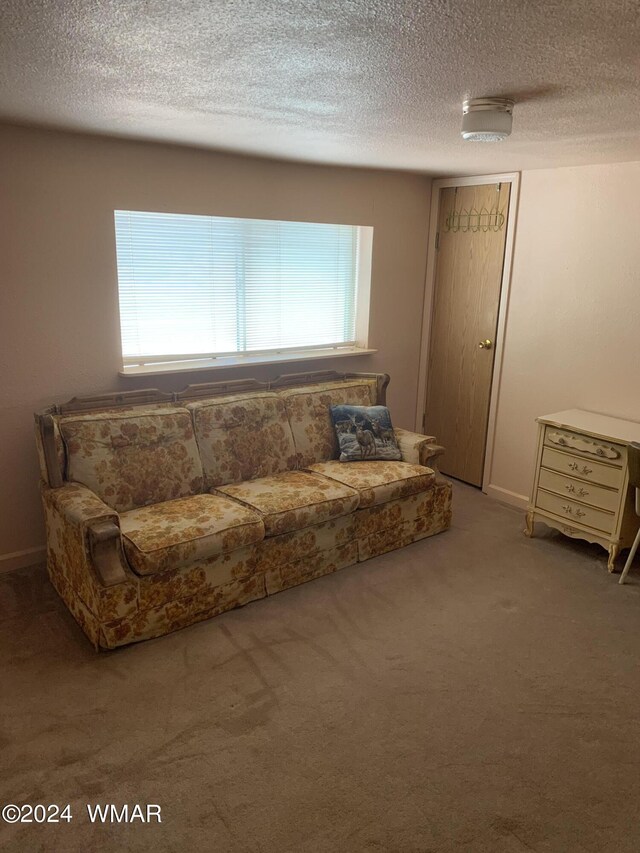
<point>486,344</point>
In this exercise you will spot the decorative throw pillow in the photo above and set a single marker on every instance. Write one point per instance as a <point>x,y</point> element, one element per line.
<point>364,432</point>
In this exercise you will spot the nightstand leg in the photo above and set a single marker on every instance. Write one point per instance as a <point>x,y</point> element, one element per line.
<point>614,550</point>
<point>528,530</point>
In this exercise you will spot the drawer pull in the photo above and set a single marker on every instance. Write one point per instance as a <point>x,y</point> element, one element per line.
<point>570,511</point>
<point>581,493</point>
<point>583,445</point>
<point>584,470</point>
<point>604,475</point>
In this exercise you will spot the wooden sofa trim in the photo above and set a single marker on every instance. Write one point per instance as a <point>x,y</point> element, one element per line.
<point>146,396</point>
<point>431,453</point>
<point>107,557</point>
<point>216,389</point>
<point>113,399</point>
<point>44,422</point>
<point>287,380</point>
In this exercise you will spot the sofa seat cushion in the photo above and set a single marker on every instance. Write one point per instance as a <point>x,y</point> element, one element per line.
<point>377,482</point>
<point>177,533</point>
<point>293,500</point>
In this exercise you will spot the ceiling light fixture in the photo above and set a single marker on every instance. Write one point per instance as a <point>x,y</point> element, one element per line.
<point>486,119</point>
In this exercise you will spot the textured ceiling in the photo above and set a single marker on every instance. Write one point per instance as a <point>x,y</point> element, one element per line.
<point>365,82</point>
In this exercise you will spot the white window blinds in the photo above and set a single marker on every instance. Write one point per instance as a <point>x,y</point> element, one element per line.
<point>198,286</point>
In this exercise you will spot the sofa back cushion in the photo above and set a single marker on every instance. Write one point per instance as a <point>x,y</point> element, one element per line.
<point>132,459</point>
<point>243,437</point>
<point>308,408</point>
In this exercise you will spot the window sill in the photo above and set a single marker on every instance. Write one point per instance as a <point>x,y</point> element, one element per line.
<point>241,361</point>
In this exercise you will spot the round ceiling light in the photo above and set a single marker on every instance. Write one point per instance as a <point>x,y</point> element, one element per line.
<point>486,119</point>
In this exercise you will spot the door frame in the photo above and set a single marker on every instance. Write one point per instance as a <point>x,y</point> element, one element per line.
<point>429,291</point>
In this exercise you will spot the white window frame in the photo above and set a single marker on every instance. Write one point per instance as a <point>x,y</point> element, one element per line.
<point>176,362</point>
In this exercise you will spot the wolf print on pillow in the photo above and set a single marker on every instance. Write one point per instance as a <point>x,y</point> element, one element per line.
<point>364,433</point>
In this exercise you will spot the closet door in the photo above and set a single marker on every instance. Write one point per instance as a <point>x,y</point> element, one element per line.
<point>472,226</point>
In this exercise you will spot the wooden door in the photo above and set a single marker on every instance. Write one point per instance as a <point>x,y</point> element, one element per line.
<point>472,225</point>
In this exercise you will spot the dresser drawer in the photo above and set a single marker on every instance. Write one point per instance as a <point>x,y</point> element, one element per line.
<point>572,511</point>
<point>585,446</point>
<point>587,493</point>
<point>581,468</point>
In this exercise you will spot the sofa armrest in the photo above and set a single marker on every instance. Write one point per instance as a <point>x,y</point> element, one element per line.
<point>419,449</point>
<point>93,528</point>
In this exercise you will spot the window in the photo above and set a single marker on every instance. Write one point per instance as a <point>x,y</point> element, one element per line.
<point>210,287</point>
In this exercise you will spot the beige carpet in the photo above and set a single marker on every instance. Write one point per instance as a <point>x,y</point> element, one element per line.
<point>475,692</point>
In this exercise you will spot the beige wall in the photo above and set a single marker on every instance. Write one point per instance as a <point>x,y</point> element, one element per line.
<point>573,323</point>
<point>59,323</point>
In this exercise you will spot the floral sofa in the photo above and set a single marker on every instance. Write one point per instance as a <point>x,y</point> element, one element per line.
<point>165,509</point>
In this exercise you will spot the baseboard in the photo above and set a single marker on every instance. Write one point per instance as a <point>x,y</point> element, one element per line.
<point>507,497</point>
<point>22,559</point>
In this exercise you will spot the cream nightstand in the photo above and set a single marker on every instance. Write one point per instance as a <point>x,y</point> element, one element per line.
<point>581,483</point>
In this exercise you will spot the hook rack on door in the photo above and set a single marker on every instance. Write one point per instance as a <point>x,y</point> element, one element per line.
<point>474,220</point>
